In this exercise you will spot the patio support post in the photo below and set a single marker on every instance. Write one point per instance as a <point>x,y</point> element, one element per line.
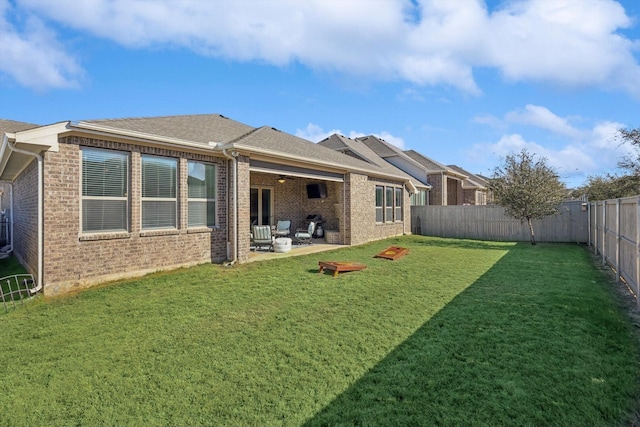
<point>233,159</point>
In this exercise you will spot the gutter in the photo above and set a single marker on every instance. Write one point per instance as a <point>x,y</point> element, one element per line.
<point>7,143</point>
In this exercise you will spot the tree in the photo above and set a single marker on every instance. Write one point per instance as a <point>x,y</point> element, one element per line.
<point>527,188</point>
<point>609,187</point>
<point>614,186</point>
<point>631,163</point>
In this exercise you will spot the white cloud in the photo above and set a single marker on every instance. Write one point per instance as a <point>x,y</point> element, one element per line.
<point>570,161</point>
<point>315,133</point>
<point>32,55</point>
<point>581,152</point>
<point>542,118</point>
<point>566,42</point>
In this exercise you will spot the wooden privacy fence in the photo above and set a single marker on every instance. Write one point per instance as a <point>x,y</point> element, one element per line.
<point>615,236</point>
<point>489,222</point>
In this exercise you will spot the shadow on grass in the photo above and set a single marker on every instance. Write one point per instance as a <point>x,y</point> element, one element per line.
<point>540,347</point>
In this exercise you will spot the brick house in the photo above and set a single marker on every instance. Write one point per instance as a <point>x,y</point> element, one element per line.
<point>384,155</point>
<point>101,200</point>
<point>447,183</point>
<point>474,188</point>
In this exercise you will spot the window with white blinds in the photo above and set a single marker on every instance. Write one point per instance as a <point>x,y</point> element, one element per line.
<point>105,183</point>
<point>398,204</point>
<point>388,204</point>
<point>202,194</point>
<point>159,192</point>
<point>379,203</point>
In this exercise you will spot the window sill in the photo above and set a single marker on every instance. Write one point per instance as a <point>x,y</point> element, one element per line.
<point>203,229</point>
<point>105,236</point>
<point>151,233</point>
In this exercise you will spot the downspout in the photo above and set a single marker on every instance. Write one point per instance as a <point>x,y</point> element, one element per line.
<point>233,157</point>
<point>6,142</point>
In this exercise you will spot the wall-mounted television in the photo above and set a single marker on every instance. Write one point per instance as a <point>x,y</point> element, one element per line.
<point>317,191</point>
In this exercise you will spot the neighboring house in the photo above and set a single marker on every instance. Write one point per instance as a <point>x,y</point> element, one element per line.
<point>401,166</point>
<point>396,157</point>
<point>474,188</point>
<point>446,183</point>
<point>102,200</point>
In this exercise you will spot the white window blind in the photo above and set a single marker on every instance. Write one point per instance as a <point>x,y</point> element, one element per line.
<point>105,186</point>
<point>388,203</point>
<point>159,192</point>
<point>398,204</point>
<point>379,204</point>
<point>202,194</point>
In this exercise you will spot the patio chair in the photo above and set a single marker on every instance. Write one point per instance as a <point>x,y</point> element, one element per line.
<point>283,228</point>
<point>304,235</point>
<point>262,236</point>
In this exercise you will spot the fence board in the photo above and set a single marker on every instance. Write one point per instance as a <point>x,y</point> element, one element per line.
<point>489,222</point>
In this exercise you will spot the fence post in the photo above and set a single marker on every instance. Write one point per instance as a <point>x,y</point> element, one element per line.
<point>595,228</point>
<point>637,251</point>
<point>604,233</point>
<point>589,225</point>
<point>618,272</point>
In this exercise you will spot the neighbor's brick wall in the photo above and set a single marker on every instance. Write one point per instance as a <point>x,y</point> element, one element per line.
<point>25,218</point>
<point>73,260</point>
<point>469,197</point>
<point>5,202</point>
<point>436,193</point>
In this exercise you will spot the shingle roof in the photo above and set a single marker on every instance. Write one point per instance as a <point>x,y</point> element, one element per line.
<point>471,180</point>
<point>14,126</point>
<point>381,147</point>
<point>277,142</point>
<point>201,128</point>
<point>430,164</point>
<point>345,145</point>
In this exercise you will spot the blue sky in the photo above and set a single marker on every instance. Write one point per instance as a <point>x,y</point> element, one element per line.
<point>464,82</point>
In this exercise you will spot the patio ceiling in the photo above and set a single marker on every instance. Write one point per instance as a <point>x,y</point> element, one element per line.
<point>277,169</point>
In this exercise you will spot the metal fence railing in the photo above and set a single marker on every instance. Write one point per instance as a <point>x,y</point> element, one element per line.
<point>16,289</point>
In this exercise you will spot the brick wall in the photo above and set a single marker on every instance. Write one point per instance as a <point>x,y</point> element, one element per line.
<point>291,202</point>
<point>73,260</point>
<point>244,208</point>
<point>25,218</point>
<point>361,217</point>
<point>436,193</point>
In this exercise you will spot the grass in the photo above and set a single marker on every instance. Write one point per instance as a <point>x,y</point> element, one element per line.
<point>455,333</point>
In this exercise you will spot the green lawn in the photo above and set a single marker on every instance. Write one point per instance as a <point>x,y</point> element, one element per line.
<point>455,333</point>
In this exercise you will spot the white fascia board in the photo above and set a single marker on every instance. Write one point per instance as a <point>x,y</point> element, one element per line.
<point>40,138</point>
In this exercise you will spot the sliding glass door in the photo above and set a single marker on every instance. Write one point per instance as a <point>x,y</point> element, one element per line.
<point>261,205</point>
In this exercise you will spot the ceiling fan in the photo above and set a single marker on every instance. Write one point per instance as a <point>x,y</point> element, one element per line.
<point>283,178</point>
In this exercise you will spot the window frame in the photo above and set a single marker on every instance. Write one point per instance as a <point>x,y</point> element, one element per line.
<point>398,200</point>
<point>389,204</point>
<point>379,203</point>
<point>126,218</point>
<point>205,200</point>
<point>144,198</point>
